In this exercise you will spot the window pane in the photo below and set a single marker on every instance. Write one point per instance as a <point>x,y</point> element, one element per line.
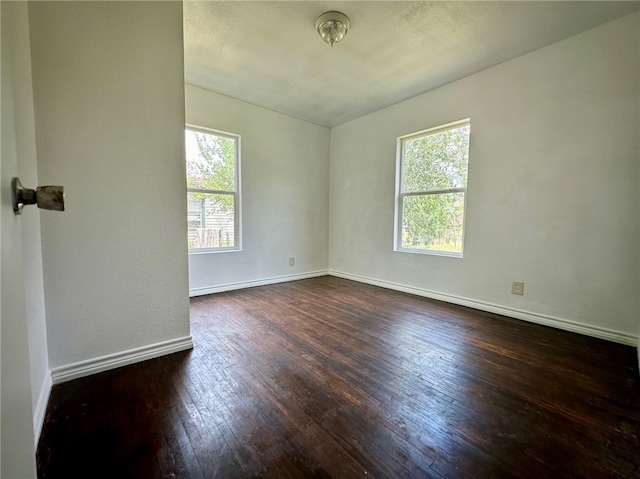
<point>211,220</point>
<point>433,222</point>
<point>436,162</point>
<point>210,161</point>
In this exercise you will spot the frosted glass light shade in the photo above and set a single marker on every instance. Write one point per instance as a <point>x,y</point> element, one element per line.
<point>332,26</point>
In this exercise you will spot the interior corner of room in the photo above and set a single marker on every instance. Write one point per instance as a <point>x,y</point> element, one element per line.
<point>94,98</point>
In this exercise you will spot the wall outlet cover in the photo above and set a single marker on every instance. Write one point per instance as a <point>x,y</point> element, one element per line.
<point>517,288</point>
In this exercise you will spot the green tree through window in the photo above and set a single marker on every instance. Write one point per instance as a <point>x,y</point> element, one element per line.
<point>432,189</point>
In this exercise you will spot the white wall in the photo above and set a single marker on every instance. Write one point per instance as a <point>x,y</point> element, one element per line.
<point>109,110</point>
<point>17,327</point>
<point>552,189</point>
<point>285,194</point>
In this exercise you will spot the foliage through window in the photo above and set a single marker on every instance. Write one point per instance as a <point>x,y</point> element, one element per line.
<point>212,189</point>
<point>432,189</point>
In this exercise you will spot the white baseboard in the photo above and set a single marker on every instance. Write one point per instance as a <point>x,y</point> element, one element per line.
<point>554,322</point>
<point>257,282</point>
<point>41,408</point>
<point>80,369</point>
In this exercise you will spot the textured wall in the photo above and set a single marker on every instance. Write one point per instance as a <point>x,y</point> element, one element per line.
<point>285,192</point>
<point>109,103</point>
<point>552,191</point>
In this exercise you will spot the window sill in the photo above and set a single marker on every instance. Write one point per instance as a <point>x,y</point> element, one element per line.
<point>431,252</point>
<point>213,250</point>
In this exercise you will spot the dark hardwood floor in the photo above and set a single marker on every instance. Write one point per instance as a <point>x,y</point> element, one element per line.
<point>330,378</point>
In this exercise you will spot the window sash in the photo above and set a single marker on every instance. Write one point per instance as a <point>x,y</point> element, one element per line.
<point>213,192</point>
<point>236,226</point>
<point>433,192</point>
<point>436,130</point>
<point>400,221</point>
<point>236,153</point>
<point>420,134</point>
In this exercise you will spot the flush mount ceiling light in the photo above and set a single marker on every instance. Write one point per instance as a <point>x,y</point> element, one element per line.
<point>332,26</point>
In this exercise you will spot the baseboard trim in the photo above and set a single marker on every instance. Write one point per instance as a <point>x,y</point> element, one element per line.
<point>41,408</point>
<point>554,322</point>
<point>80,369</point>
<point>258,282</point>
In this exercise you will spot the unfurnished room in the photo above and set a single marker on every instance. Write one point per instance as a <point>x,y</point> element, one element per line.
<point>322,239</point>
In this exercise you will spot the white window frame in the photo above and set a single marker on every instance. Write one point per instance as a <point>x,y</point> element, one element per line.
<point>237,197</point>
<point>400,195</point>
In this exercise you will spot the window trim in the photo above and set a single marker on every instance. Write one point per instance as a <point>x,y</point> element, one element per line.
<point>400,195</point>
<point>237,196</point>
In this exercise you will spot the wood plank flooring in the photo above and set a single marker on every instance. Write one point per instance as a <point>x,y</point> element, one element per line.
<point>330,378</point>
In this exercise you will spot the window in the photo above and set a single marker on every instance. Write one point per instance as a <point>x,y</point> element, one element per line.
<point>431,190</point>
<point>213,190</point>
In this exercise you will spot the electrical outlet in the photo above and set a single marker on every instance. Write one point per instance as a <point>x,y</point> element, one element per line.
<point>292,261</point>
<point>517,288</point>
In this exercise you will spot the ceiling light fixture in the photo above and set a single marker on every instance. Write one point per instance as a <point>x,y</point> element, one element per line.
<point>332,26</point>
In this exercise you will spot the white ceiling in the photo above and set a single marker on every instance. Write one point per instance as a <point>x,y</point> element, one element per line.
<point>269,54</point>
